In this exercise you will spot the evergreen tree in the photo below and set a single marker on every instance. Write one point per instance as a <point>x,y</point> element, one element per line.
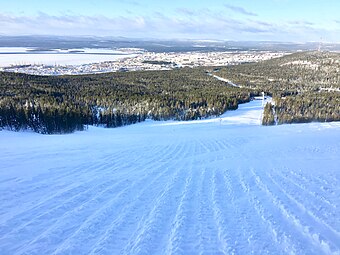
<point>268,115</point>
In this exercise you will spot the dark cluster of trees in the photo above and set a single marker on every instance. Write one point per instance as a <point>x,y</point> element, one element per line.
<point>51,104</point>
<point>294,73</point>
<point>268,115</point>
<point>156,62</point>
<point>298,84</point>
<point>308,107</point>
<point>47,119</point>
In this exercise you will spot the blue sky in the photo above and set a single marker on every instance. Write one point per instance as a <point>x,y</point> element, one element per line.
<point>275,20</point>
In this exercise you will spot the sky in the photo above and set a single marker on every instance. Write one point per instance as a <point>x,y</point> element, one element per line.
<point>242,20</point>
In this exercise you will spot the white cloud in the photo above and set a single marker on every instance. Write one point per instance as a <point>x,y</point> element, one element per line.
<point>240,10</point>
<point>202,24</point>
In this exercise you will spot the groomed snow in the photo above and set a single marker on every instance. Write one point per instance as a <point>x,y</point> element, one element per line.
<point>209,187</point>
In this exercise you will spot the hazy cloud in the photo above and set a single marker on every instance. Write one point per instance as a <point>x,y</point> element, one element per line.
<point>131,2</point>
<point>199,24</point>
<point>301,23</point>
<point>239,10</point>
<point>70,25</point>
<point>185,11</point>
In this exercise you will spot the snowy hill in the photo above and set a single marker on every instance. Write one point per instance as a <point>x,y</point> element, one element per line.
<point>216,186</point>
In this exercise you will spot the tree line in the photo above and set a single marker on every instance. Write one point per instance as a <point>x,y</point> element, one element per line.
<point>63,104</point>
<point>305,86</point>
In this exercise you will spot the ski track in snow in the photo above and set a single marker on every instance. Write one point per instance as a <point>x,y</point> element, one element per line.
<point>205,188</point>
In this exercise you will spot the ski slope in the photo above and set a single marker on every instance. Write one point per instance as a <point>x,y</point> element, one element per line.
<point>216,186</point>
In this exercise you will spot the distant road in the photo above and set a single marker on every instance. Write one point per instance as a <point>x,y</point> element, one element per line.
<point>224,80</point>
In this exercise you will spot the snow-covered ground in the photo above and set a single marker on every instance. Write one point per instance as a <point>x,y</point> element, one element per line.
<point>209,187</point>
<point>225,80</point>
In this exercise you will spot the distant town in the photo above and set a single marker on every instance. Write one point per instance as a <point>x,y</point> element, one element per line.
<point>149,61</point>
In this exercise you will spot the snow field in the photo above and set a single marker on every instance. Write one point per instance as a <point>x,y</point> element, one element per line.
<point>207,187</point>
<point>22,56</point>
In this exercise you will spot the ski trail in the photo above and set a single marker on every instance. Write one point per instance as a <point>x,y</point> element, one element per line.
<point>246,227</point>
<point>177,225</point>
<point>183,238</point>
<point>28,226</point>
<point>32,191</point>
<point>301,185</point>
<point>94,173</point>
<point>106,241</point>
<point>62,183</point>
<point>208,235</point>
<point>114,207</point>
<point>268,215</point>
<point>23,216</point>
<point>151,228</point>
<point>104,214</point>
<point>322,190</point>
<point>289,217</point>
<point>328,239</point>
<point>157,189</point>
<point>319,207</point>
<point>220,210</point>
<point>53,234</point>
<point>131,170</point>
<point>253,221</point>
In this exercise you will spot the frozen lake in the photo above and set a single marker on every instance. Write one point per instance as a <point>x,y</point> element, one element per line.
<point>24,56</point>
